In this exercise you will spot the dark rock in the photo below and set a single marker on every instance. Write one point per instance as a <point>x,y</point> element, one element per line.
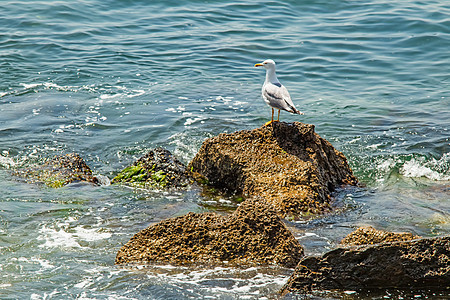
<point>288,165</point>
<point>253,234</point>
<point>59,171</point>
<point>369,235</point>
<point>414,264</point>
<point>157,169</point>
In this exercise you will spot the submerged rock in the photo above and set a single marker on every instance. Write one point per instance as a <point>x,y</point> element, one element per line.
<point>370,235</point>
<point>288,165</point>
<point>157,169</point>
<point>415,264</point>
<point>253,234</point>
<point>59,171</point>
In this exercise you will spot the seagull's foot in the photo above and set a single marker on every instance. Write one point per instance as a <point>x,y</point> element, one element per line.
<point>270,122</point>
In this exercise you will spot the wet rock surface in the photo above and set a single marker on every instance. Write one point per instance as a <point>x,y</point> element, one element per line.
<point>414,264</point>
<point>157,169</point>
<point>288,165</point>
<point>253,234</point>
<point>59,171</point>
<point>369,235</point>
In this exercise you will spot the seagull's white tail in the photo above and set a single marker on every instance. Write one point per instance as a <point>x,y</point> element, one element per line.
<point>298,112</point>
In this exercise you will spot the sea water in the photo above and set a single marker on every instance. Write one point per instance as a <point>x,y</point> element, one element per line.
<point>113,79</point>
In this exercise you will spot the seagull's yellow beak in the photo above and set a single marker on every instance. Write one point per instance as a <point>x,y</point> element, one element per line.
<point>258,65</point>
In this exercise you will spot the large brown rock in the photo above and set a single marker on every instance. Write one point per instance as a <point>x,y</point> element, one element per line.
<point>253,234</point>
<point>414,264</point>
<point>288,165</point>
<point>369,235</point>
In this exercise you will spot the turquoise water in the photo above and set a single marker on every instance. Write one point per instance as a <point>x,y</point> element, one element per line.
<point>113,79</point>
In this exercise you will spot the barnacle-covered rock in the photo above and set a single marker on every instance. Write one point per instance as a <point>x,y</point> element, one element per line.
<point>286,164</point>
<point>59,171</point>
<point>253,234</point>
<point>369,235</point>
<point>422,263</point>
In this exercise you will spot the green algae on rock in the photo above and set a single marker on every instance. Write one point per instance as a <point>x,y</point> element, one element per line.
<point>59,171</point>
<point>286,164</point>
<point>253,234</point>
<point>140,176</point>
<point>156,169</point>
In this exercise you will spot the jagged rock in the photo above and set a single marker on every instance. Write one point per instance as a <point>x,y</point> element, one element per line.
<point>370,235</point>
<point>157,169</point>
<point>59,171</point>
<point>288,165</point>
<point>415,264</point>
<point>253,234</point>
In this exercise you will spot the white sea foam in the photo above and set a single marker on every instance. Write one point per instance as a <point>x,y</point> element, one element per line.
<point>357,139</point>
<point>54,238</point>
<point>178,109</point>
<point>45,296</point>
<point>48,85</point>
<point>419,167</point>
<point>136,93</point>
<point>307,234</point>
<point>415,169</point>
<point>191,121</point>
<point>5,285</point>
<point>386,165</point>
<point>107,92</point>
<point>110,96</point>
<point>374,146</point>
<point>7,162</point>
<point>30,85</point>
<point>54,85</point>
<point>62,236</point>
<point>90,235</point>
<point>247,283</point>
<point>224,99</point>
<point>44,264</point>
<point>186,145</point>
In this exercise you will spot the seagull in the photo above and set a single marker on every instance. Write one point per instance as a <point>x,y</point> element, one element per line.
<point>274,93</point>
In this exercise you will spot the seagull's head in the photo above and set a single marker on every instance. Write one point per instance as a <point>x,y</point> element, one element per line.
<point>268,64</point>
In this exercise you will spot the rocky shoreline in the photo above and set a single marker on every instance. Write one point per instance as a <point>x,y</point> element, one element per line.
<point>281,172</point>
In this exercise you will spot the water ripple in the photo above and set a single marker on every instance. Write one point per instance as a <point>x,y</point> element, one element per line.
<point>112,79</point>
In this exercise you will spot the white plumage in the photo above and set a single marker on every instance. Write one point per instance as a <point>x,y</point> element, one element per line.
<point>274,93</point>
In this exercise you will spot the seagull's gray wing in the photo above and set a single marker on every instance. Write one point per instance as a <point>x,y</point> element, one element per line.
<point>277,96</point>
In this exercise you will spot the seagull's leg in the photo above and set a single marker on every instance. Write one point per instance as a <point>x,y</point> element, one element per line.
<point>278,120</point>
<point>270,122</point>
